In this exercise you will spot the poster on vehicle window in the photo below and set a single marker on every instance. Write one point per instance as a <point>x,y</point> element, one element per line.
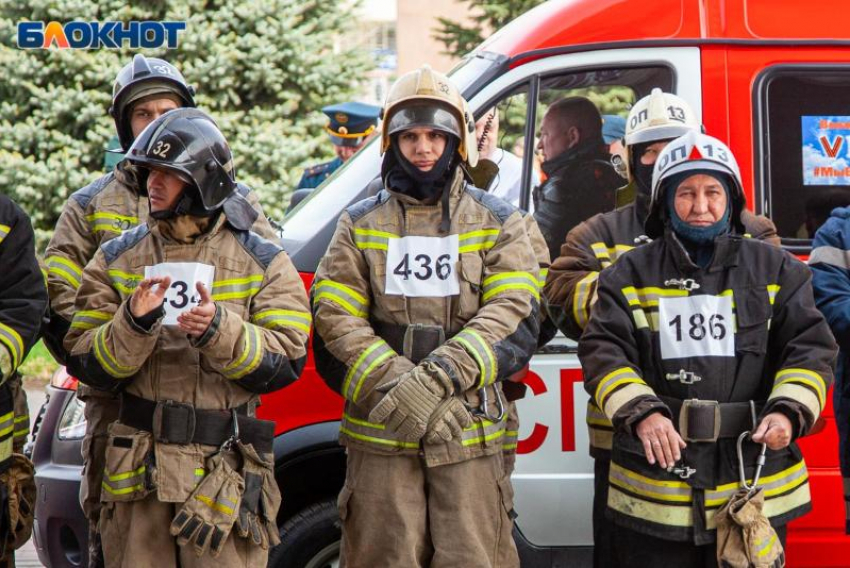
<point>826,150</point>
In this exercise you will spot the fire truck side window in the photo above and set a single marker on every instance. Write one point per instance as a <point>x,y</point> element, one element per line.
<point>500,130</point>
<point>805,137</point>
<point>579,122</point>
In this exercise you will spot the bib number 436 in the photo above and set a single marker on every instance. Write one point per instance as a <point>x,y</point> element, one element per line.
<point>425,267</point>
<point>422,266</point>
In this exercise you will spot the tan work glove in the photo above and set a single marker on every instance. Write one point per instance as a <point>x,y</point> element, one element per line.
<point>411,400</point>
<point>206,519</point>
<point>745,538</point>
<point>448,421</point>
<point>19,480</point>
<point>258,512</point>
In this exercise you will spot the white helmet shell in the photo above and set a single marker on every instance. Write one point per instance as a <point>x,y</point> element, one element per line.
<point>691,152</point>
<point>659,116</point>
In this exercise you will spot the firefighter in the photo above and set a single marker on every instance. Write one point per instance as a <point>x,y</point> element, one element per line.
<point>697,337</point>
<point>189,318</point>
<point>425,302</point>
<point>831,281</point>
<point>143,90</point>
<point>23,302</point>
<point>597,243</point>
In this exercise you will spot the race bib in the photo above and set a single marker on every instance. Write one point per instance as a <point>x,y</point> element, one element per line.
<point>182,295</point>
<point>696,326</point>
<point>422,266</point>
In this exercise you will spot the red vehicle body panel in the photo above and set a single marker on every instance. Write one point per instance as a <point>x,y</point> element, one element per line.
<point>738,40</point>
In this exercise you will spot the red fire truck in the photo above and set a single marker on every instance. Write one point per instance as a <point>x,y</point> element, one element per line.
<point>758,73</point>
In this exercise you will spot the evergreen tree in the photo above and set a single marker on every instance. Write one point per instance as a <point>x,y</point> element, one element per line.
<point>487,16</point>
<point>261,69</point>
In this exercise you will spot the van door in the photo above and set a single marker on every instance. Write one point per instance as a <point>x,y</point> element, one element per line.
<point>554,476</point>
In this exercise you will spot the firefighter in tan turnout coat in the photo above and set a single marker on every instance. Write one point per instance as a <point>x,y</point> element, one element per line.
<point>426,300</point>
<point>187,458</point>
<point>143,90</point>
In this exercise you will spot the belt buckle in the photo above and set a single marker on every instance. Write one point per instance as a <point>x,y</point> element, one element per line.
<point>693,408</point>
<point>167,418</point>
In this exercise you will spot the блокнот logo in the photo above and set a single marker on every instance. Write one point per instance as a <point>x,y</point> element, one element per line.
<point>94,35</point>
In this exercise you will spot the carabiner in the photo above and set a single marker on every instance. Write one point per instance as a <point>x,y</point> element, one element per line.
<point>482,406</point>
<point>228,444</point>
<point>759,464</point>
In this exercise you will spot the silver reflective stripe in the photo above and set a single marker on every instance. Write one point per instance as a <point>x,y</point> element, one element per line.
<point>371,357</point>
<point>483,431</point>
<point>832,256</point>
<point>251,354</point>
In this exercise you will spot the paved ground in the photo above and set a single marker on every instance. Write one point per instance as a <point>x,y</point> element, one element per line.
<point>26,556</point>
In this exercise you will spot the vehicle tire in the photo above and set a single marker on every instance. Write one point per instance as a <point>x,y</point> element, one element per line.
<point>310,539</point>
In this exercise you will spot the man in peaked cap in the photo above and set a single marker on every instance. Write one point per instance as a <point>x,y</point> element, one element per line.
<point>350,127</point>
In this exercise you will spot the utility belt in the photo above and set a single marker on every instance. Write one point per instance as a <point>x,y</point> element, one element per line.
<point>709,420</point>
<point>177,423</point>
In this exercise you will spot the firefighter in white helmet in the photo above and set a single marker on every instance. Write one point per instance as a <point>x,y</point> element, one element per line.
<point>596,244</point>
<point>697,337</point>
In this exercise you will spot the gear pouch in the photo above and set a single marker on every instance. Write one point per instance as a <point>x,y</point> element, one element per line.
<point>179,469</point>
<point>129,464</point>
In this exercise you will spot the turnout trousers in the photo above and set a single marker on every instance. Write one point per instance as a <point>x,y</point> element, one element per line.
<point>397,512</point>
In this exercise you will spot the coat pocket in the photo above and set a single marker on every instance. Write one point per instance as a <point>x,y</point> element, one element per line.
<point>752,314</point>
<point>179,469</point>
<point>128,471</point>
<point>471,272</point>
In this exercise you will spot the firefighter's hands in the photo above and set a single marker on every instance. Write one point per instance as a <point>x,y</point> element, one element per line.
<point>661,442</point>
<point>196,321</point>
<point>775,430</point>
<point>448,421</point>
<point>410,401</point>
<point>146,297</point>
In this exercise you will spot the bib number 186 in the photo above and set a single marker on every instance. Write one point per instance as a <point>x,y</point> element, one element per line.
<point>696,326</point>
<point>698,329</point>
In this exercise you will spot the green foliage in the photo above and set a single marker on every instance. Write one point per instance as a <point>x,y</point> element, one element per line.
<point>486,17</point>
<point>262,69</point>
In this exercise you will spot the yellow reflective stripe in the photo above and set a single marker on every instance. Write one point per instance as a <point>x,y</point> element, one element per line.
<point>633,482</point>
<point>481,352</point>
<point>236,287</point>
<point>124,281</point>
<point>340,294</point>
<point>373,233</point>
<point>90,319</point>
<point>123,491</point>
<point>497,283</point>
<point>13,341</point>
<point>368,361</point>
<point>220,506</point>
<point>107,359</point>
<point>112,216</point>
<point>7,424</point>
<point>363,423</point>
<point>124,475</point>
<point>648,297</point>
<point>671,515</point>
<point>767,545</point>
<point>612,380</point>
<point>4,231</point>
<point>477,247</point>
<point>382,441</point>
<point>271,318</point>
<point>65,269</point>
<point>542,275</point>
<point>582,299</point>
<point>477,234</point>
<point>252,352</point>
<point>772,291</point>
<point>804,377</point>
<point>775,484</point>
<point>483,438</point>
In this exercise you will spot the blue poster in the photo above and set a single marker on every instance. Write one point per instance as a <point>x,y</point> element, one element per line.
<point>826,150</point>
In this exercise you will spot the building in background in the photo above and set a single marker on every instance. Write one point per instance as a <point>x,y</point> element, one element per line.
<point>399,35</point>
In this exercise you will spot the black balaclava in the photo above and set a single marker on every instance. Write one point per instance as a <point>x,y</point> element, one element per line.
<point>402,176</point>
<point>641,172</point>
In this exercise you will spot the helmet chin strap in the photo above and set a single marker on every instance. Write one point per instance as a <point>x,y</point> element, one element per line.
<point>186,205</point>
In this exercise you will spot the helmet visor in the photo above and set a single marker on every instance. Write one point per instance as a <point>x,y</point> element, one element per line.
<point>424,115</point>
